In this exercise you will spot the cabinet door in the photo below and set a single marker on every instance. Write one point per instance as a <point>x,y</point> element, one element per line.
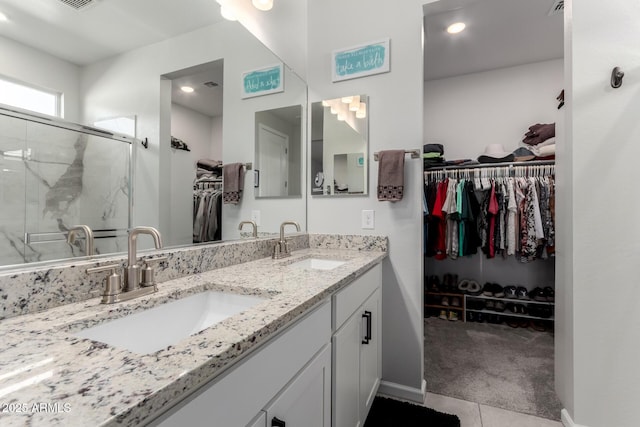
<point>346,372</point>
<point>370,353</point>
<point>260,421</point>
<point>306,400</point>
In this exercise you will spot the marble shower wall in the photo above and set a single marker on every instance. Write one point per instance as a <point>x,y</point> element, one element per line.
<point>54,178</point>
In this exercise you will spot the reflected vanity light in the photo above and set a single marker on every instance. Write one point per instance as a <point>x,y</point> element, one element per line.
<point>227,13</point>
<point>263,5</point>
<point>347,99</point>
<point>362,111</point>
<point>3,17</point>
<point>334,110</point>
<point>326,103</point>
<point>341,117</point>
<point>355,103</point>
<point>187,89</point>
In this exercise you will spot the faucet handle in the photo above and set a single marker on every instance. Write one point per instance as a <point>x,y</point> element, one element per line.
<point>148,273</point>
<point>113,286</point>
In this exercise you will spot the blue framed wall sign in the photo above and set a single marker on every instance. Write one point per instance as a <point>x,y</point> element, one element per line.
<point>359,61</point>
<point>262,81</point>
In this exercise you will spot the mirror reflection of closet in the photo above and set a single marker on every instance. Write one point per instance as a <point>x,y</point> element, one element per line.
<point>196,153</point>
<point>339,146</point>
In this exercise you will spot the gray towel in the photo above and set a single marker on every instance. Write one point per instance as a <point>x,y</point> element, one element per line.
<point>390,175</point>
<point>233,183</point>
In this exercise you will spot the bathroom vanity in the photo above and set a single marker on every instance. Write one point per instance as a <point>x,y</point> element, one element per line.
<point>307,351</point>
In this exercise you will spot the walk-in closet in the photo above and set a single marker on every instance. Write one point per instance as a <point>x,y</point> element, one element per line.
<point>493,99</point>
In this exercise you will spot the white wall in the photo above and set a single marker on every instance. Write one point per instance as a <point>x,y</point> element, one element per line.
<point>335,24</point>
<point>29,65</point>
<point>466,113</point>
<point>131,84</point>
<point>600,384</point>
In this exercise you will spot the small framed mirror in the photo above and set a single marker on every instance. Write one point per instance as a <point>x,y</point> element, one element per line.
<point>339,146</point>
<point>278,165</point>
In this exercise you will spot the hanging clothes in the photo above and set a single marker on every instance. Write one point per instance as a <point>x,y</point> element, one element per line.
<point>503,215</point>
<point>207,214</point>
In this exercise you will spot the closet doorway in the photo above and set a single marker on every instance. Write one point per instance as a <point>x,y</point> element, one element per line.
<point>489,301</point>
<point>196,112</point>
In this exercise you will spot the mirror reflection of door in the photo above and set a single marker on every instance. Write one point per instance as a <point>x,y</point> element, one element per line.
<point>273,161</point>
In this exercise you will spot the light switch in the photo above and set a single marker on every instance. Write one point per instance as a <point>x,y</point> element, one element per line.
<point>368,219</point>
<point>255,217</point>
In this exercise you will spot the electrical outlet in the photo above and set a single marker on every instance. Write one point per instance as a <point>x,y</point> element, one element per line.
<point>255,217</point>
<point>368,219</point>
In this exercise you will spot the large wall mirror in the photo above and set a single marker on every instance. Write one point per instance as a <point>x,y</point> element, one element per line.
<point>138,69</point>
<point>339,146</point>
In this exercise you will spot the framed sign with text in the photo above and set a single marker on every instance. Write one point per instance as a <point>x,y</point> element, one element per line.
<point>262,81</point>
<point>359,61</point>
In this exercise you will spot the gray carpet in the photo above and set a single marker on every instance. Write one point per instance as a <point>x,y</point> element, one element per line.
<point>495,365</point>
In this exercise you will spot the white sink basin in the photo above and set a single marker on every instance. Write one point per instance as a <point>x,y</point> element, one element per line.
<point>317,264</point>
<point>159,327</point>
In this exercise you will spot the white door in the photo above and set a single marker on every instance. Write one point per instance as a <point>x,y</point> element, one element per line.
<point>273,164</point>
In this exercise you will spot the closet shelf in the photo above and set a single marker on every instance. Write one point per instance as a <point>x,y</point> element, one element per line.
<point>509,314</point>
<point>445,307</point>
<point>514,300</point>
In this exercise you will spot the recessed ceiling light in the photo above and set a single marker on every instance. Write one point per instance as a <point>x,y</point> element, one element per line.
<point>187,89</point>
<point>456,28</point>
<point>3,17</point>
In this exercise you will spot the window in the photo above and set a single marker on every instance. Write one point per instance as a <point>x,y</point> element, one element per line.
<point>29,98</point>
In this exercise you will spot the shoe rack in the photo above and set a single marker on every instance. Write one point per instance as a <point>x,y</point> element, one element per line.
<point>531,307</point>
<point>434,300</point>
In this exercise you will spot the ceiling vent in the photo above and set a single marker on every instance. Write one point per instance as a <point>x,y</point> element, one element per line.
<point>210,84</point>
<point>556,8</point>
<point>77,4</point>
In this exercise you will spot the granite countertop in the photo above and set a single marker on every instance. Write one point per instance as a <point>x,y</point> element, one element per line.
<point>50,377</point>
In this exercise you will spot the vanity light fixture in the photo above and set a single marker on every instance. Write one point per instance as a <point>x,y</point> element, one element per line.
<point>341,117</point>
<point>347,99</point>
<point>355,103</point>
<point>226,11</point>
<point>187,89</point>
<point>3,17</point>
<point>455,28</point>
<point>334,110</point>
<point>362,111</point>
<point>326,103</point>
<point>263,5</point>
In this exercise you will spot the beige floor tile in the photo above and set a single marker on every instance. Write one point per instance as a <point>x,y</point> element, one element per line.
<point>468,412</point>
<point>496,417</point>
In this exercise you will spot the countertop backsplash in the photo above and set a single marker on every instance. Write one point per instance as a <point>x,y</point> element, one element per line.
<point>39,288</point>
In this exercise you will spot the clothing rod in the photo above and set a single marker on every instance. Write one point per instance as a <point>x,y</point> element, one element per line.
<point>493,165</point>
<point>415,154</point>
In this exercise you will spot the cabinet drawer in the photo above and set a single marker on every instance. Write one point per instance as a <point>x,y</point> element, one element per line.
<point>347,301</point>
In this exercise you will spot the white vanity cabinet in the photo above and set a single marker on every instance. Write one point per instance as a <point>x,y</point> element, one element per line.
<point>288,375</point>
<point>357,348</point>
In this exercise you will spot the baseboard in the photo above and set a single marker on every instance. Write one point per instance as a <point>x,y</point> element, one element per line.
<point>567,421</point>
<point>403,392</point>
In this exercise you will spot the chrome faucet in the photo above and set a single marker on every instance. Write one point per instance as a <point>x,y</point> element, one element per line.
<point>253,224</point>
<point>88,236</point>
<point>281,248</point>
<point>133,277</point>
<point>139,280</point>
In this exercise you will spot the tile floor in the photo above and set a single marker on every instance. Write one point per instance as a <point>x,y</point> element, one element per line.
<point>473,414</point>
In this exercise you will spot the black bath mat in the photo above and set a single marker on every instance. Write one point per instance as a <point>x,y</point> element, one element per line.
<point>394,413</point>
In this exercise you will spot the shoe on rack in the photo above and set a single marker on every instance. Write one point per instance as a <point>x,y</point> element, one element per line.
<point>455,302</point>
<point>443,315</point>
<point>444,301</point>
<point>474,288</point>
<point>490,305</point>
<point>446,282</point>
<point>434,284</point>
<point>499,306</point>
<point>550,294</point>
<point>513,322</point>
<point>471,316</point>
<point>511,307</point>
<point>537,294</point>
<point>498,292</point>
<point>463,286</point>
<point>521,309</point>
<point>522,292</point>
<point>510,292</point>
<point>487,289</point>
<point>453,316</point>
<point>538,325</point>
<point>480,317</point>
